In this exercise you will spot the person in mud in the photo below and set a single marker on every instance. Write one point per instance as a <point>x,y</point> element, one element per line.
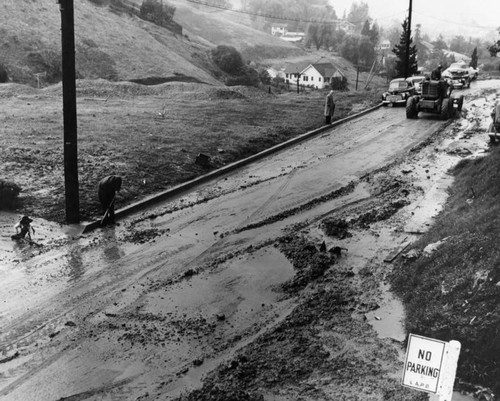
<point>329,107</point>
<point>108,187</point>
<point>23,228</point>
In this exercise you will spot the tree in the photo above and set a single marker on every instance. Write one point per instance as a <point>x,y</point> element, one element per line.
<point>4,76</point>
<point>313,36</point>
<point>374,34</point>
<point>402,70</point>
<point>439,43</point>
<point>494,49</point>
<point>366,51</point>
<point>459,44</point>
<point>366,28</point>
<point>228,59</point>
<point>349,48</point>
<point>473,58</point>
<point>264,76</point>
<point>157,12</point>
<point>358,49</point>
<point>327,35</point>
<point>358,14</point>
<point>422,52</point>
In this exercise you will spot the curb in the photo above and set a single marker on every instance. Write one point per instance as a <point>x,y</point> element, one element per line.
<point>151,200</point>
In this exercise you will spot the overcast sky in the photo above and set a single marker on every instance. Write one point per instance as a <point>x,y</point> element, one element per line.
<point>459,15</point>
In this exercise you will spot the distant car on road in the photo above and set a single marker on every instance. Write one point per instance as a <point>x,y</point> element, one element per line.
<point>400,89</point>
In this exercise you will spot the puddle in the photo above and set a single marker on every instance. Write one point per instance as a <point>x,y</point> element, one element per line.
<point>388,320</point>
<point>242,286</point>
<point>241,291</point>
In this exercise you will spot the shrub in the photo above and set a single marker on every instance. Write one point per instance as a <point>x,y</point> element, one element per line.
<point>264,76</point>
<point>93,63</point>
<point>157,12</point>
<point>99,2</point>
<point>4,76</point>
<point>8,194</point>
<point>247,77</point>
<point>47,61</point>
<point>228,59</point>
<point>339,83</point>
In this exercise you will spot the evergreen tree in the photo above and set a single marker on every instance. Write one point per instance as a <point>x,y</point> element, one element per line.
<point>313,36</point>
<point>374,34</point>
<point>358,14</point>
<point>473,58</point>
<point>400,51</point>
<point>366,28</point>
<point>440,43</point>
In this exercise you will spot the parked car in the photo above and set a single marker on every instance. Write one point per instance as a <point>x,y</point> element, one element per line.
<point>417,82</point>
<point>400,89</point>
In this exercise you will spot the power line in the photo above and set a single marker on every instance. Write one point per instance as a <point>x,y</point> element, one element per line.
<point>454,22</point>
<point>282,18</point>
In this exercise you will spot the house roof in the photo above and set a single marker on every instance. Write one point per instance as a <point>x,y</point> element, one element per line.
<point>296,67</point>
<point>325,69</point>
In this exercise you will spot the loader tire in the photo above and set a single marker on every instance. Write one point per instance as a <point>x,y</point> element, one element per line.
<point>411,108</point>
<point>445,109</point>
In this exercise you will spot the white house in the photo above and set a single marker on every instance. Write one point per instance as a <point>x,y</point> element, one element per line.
<point>278,29</point>
<point>384,46</point>
<point>319,75</point>
<point>292,71</point>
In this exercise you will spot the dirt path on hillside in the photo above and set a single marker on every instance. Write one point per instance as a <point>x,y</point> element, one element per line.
<point>238,288</point>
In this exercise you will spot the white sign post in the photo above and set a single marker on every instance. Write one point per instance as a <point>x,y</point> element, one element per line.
<point>430,365</point>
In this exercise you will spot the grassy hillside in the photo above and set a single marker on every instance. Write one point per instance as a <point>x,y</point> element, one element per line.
<point>454,293</point>
<point>118,45</point>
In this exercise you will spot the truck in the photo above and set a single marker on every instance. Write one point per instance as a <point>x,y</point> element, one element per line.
<point>436,97</point>
<point>459,75</point>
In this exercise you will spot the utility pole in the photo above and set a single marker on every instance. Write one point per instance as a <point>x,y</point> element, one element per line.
<point>408,38</point>
<point>69,112</point>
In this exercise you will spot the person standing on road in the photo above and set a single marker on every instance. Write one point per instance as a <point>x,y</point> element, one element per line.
<point>329,107</point>
<point>108,187</point>
<point>23,228</point>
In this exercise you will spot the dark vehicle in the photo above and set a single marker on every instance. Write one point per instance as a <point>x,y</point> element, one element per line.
<point>435,98</point>
<point>399,91</point>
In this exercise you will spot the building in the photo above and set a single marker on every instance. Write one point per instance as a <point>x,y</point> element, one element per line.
<point>317,75</point>
<point>278,29</point>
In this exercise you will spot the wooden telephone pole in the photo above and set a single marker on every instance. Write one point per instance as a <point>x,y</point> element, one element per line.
<point>408,38</point>
<point>69,112</point>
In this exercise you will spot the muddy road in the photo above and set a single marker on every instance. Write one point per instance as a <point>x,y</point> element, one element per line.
<point>153,307</point>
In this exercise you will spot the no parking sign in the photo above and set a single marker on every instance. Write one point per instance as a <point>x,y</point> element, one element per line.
<point>430,365</point>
